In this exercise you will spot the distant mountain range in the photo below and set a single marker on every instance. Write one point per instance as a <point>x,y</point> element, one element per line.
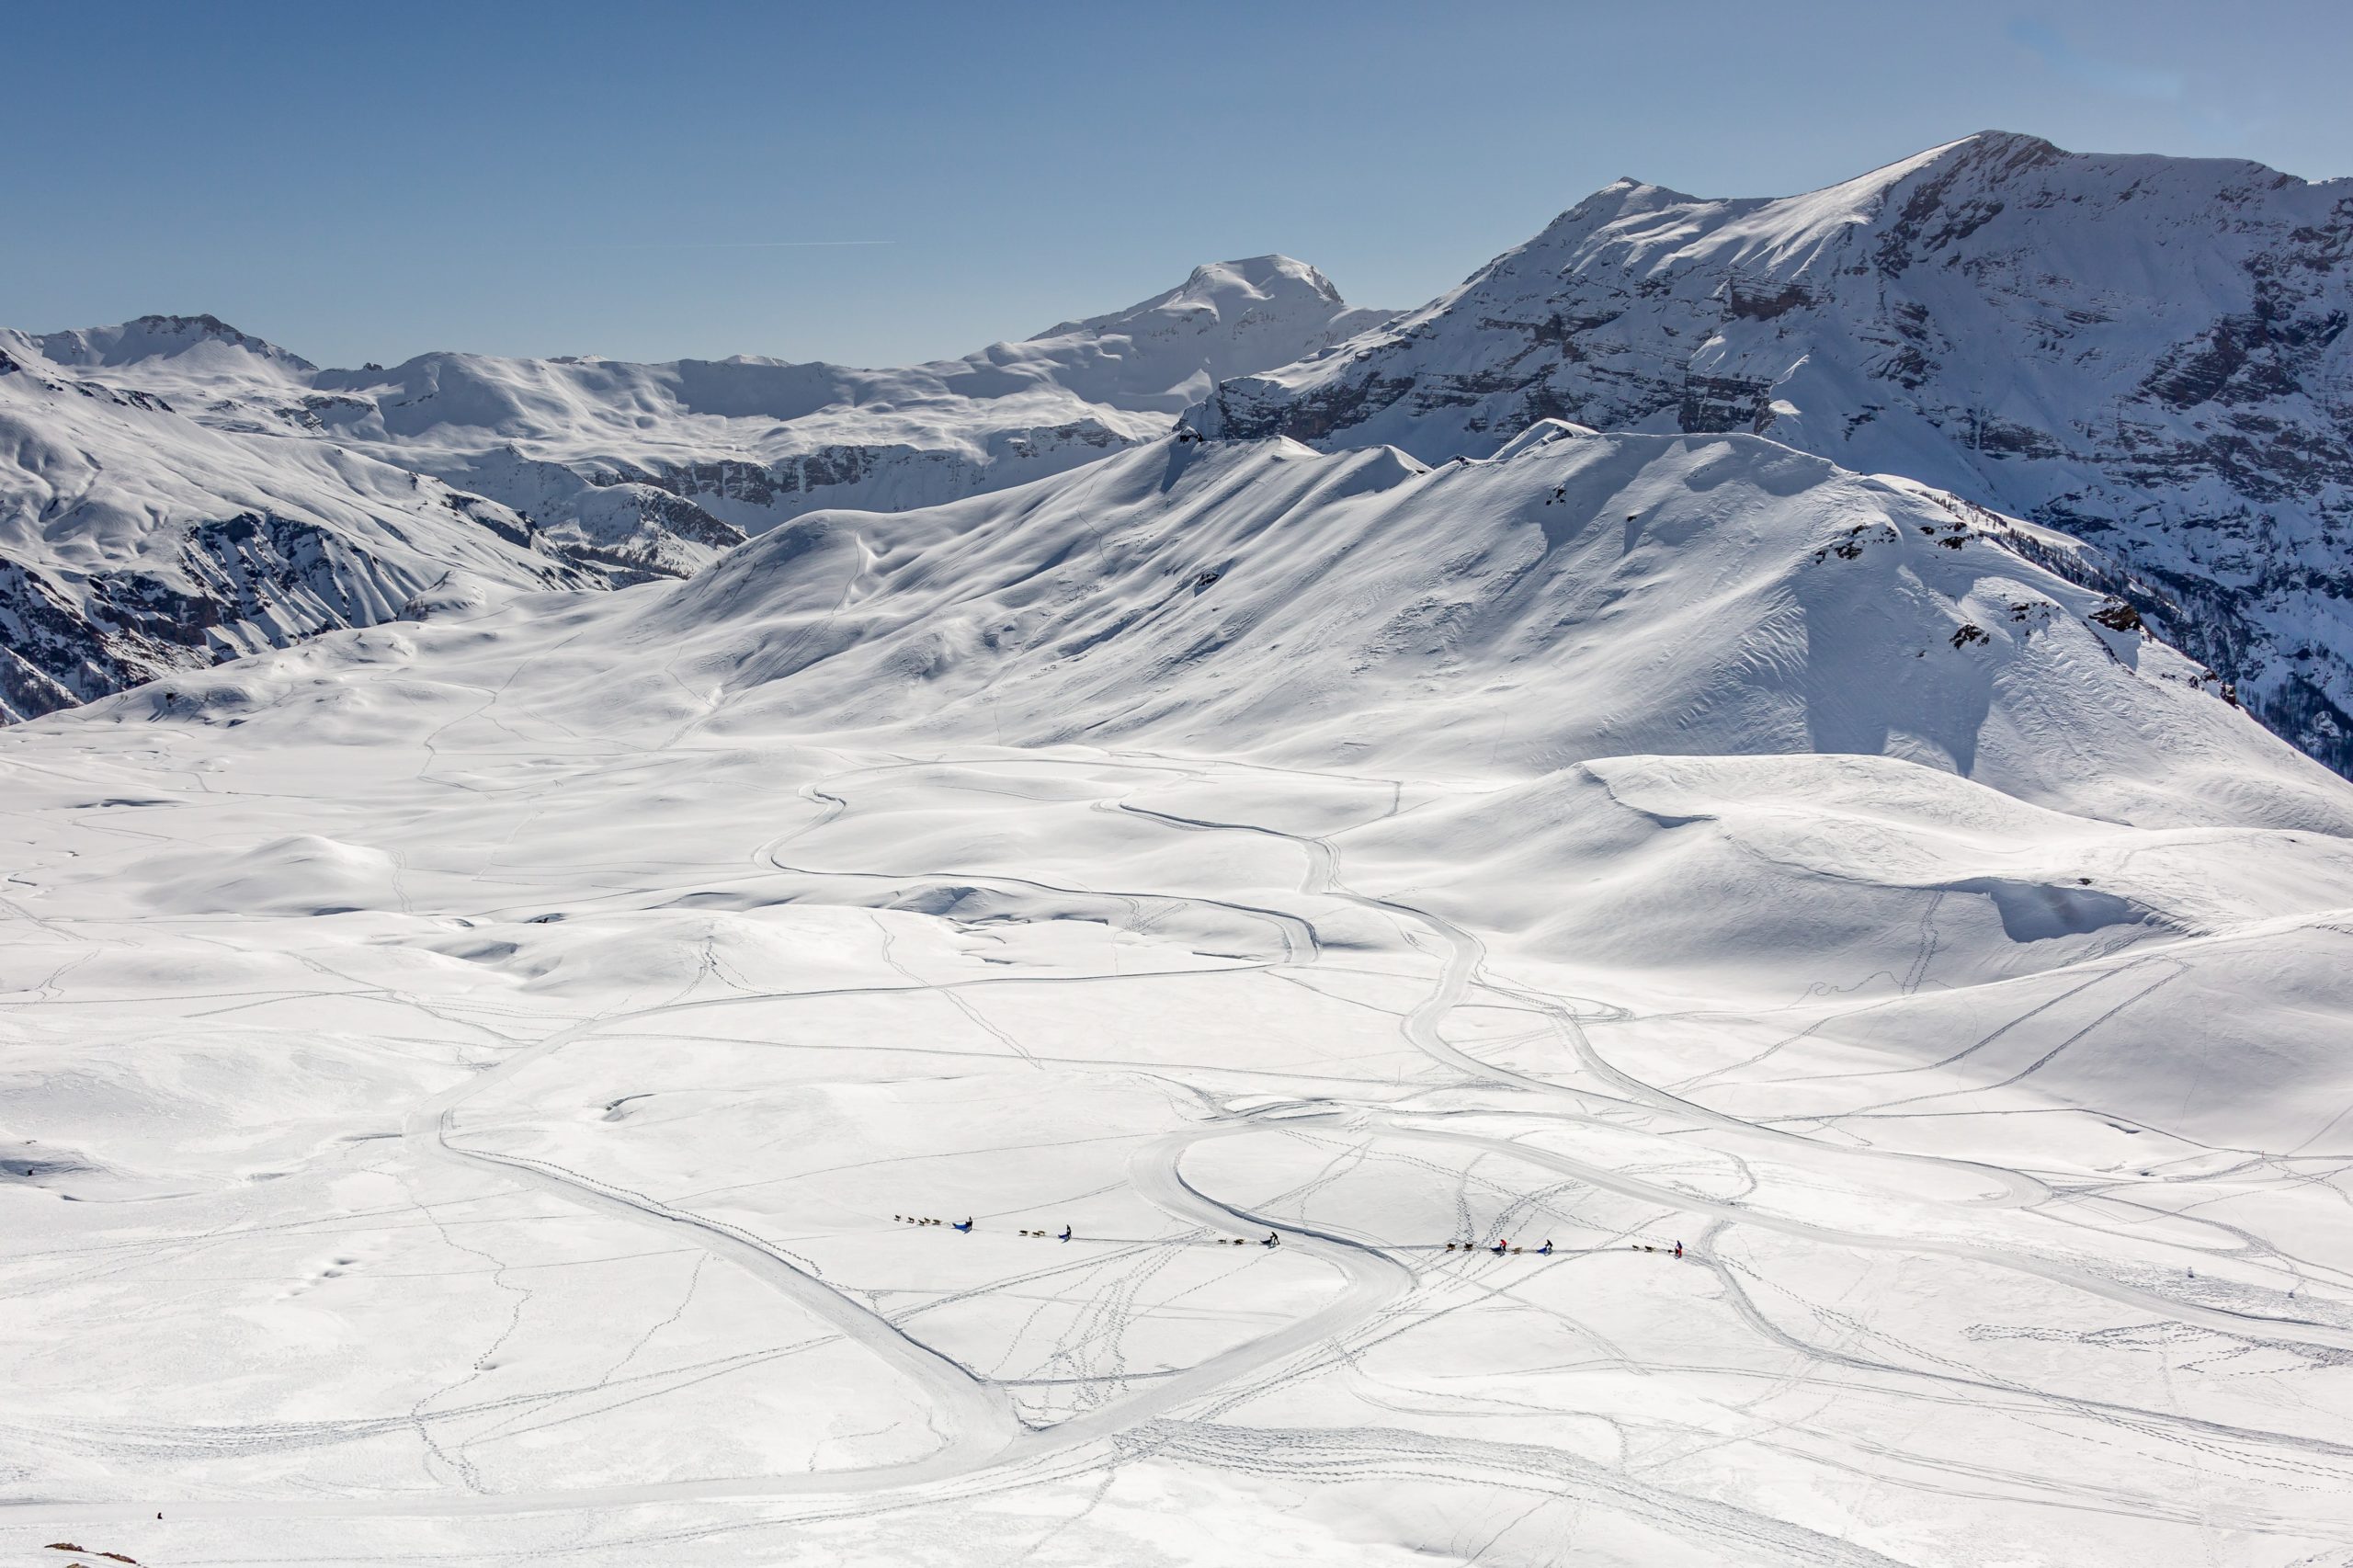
<point>2147,354</point>
<point>174,490</point>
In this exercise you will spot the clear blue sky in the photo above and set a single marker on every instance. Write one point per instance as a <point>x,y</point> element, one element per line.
<point>365,181</point>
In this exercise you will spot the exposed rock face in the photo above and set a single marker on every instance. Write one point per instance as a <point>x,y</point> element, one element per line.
<point>2149,352</point>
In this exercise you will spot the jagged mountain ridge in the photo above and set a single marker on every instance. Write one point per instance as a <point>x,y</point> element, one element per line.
<point>183,490</point>
<point>2146,352</point>
<point>754,441</point>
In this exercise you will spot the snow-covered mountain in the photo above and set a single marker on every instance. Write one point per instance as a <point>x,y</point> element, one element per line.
<point>2149,352</point>
<point>1647,990</point>
<point>580,469</point>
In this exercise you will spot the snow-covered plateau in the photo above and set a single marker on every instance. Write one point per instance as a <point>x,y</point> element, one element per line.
<point>1637,998</point>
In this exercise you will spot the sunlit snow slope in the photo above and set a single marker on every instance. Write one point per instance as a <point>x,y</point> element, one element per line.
<point>473,1087</point>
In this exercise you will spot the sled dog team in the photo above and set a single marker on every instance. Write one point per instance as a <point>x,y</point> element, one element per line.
<point>1501,1248</point>
<point>965,1225</point>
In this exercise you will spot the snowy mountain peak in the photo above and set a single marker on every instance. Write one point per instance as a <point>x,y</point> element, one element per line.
<point>1225,291</point>
<point>2007,150</point>
<point>1260,279</point>
<point>1623,195</point>
<point>153,337</point>
<point>1170,349</point>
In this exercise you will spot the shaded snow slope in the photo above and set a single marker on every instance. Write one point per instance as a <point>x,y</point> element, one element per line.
<point>467,1085</point>
<point>2146,352</point>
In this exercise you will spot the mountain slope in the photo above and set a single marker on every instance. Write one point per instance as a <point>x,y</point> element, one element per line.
<point>2148,353</point>
<point>1579,596</point>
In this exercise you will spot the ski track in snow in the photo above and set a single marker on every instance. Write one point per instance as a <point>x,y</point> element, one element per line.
<point>987,1445</point>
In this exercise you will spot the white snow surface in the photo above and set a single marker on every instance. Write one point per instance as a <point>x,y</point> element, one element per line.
<point>467,1083</point>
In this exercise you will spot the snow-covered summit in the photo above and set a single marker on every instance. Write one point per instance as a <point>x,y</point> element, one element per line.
<point>1226,313</point>
<point>1226,289</point>
<point>204,341</point>
<point>2147,351</point>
